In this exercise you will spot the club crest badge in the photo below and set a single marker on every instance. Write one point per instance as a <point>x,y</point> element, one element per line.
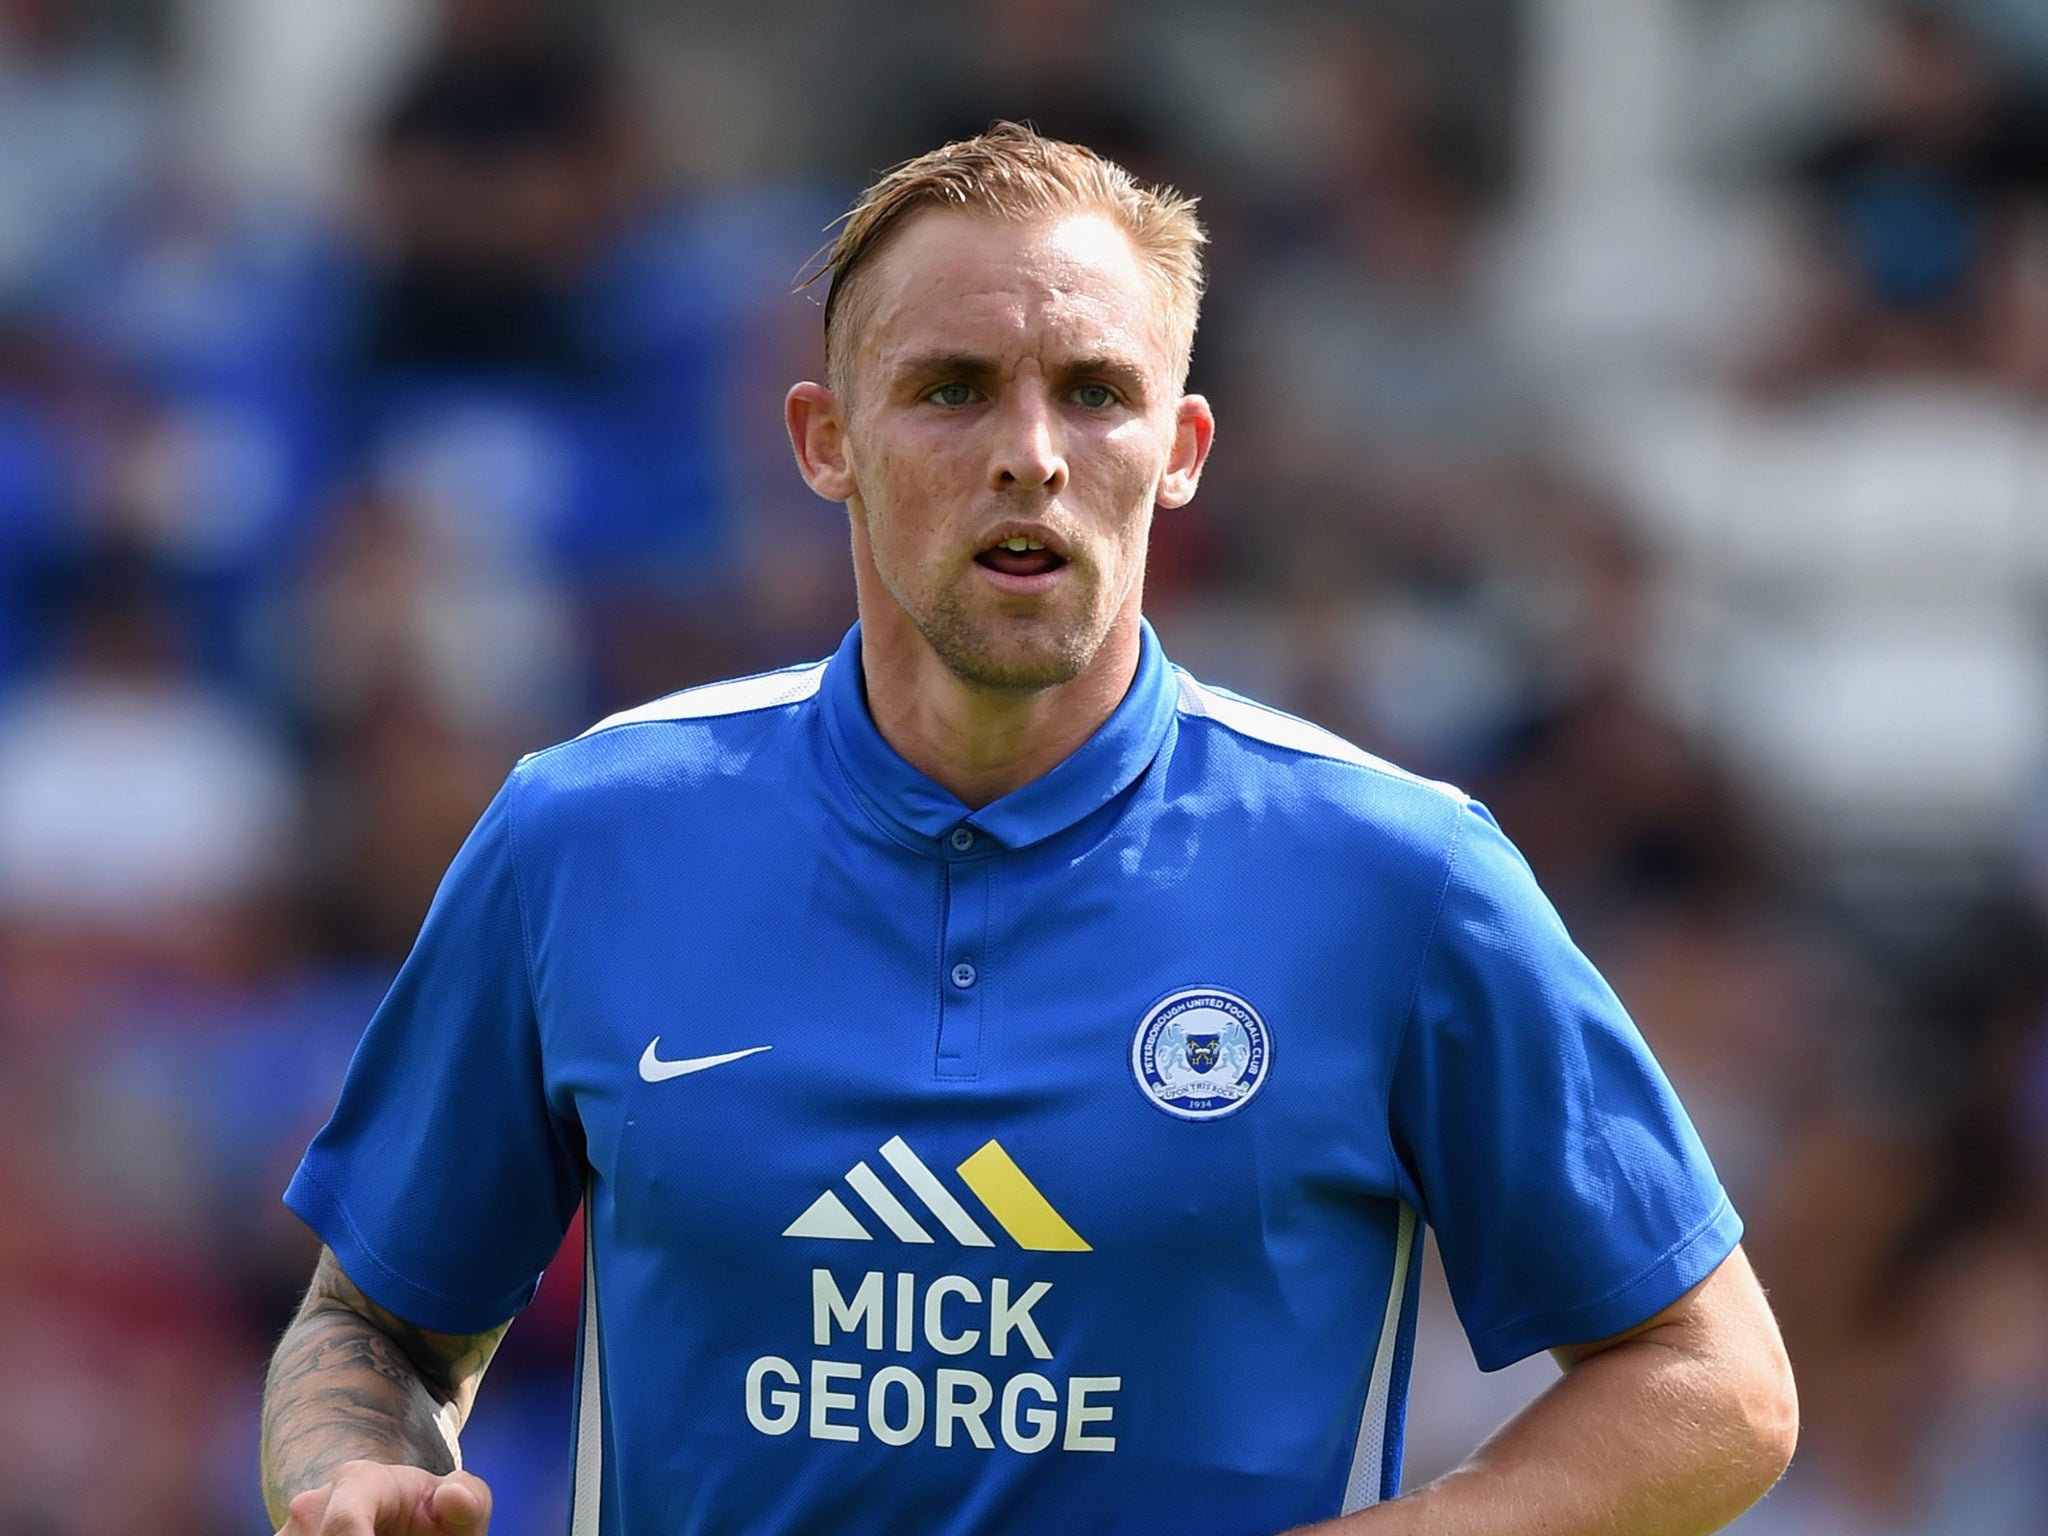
<point>1201,1053</point>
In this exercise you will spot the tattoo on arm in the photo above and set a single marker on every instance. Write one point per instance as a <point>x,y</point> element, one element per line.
<point>352,1382</point>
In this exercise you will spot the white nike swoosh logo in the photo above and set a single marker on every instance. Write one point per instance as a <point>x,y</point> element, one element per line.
<point>654,1070</point>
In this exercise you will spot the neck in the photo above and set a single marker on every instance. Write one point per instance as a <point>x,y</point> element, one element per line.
<point>980,744</point>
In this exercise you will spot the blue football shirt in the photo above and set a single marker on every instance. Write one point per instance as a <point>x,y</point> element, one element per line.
<point>1059,1165</point>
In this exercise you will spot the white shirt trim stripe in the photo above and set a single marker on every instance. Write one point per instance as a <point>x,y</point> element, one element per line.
<point>587,1496</point>
<point>1297,735</point>
<point>1369,1457</point>
<point>742,695</point>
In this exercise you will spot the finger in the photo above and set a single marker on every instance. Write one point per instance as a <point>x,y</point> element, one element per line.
<point>461,1502</point>
<point>355,1506</point>
<point>303,1514</point>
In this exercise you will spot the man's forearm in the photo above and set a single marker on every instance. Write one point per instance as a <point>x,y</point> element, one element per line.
<point>1613,1449</point>
<point>349,1382</point>
<point>1672,1432</point>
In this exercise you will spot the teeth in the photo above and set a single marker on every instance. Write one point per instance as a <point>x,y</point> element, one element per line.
<point>1021,545</point>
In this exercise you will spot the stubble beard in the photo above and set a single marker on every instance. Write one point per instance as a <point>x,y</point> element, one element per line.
<point>1042,652</point>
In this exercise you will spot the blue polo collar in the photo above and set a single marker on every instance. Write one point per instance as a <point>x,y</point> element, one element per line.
<point>925,816</point>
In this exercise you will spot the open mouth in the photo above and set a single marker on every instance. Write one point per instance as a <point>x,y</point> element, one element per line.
<point>1020,556</point>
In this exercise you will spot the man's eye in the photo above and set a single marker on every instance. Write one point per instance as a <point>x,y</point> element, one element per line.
<point>1094,396</point>
<point>950,394</point>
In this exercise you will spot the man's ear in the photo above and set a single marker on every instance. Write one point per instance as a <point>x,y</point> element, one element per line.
<point>817,431</point>
<point>1194,429</point>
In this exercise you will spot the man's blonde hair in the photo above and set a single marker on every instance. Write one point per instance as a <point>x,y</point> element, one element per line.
<point>1013,172</point>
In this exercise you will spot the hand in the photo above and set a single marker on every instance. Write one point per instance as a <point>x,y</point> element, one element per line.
<point>372,1498</point>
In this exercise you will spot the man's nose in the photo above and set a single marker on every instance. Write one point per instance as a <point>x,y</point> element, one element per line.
<point>1028,453</point>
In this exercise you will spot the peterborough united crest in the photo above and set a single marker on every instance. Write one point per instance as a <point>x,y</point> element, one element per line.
<point>1201,1053</point>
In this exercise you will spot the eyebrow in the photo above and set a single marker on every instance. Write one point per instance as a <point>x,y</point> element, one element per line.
<point>1122,372</point>
<point>955,364</point>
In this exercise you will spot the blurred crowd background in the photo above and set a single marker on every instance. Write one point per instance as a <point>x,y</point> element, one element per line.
<point>1633,410</point>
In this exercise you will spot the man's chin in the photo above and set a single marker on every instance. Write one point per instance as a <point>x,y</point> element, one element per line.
<point>1022,665</point>
<point>1013,674</point>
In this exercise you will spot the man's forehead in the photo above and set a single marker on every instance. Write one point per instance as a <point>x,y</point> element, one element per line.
<point>951,270</point>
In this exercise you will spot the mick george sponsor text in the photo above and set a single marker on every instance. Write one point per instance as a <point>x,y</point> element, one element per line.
<point>840,1399</point>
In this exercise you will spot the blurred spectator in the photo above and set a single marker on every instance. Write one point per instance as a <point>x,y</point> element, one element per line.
<point>541,401</point>
<point>1065,66</point>
<point>156,1385</point>
<point>1986,1439</point>
<point>1904,1228</point>
<point>398,790</point>
<point>1374,414</point>
<point>500,170</point>
<point>1441,631</point>
<point>215,489</point>
<point>413,587</point>
<point>1362,326</point>
<point>136,802</point>
<point>78,120</point>
<point>1923,218</point>
<point>39,488</point>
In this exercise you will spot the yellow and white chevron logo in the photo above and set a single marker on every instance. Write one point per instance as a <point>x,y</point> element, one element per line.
<point>990,1174</point>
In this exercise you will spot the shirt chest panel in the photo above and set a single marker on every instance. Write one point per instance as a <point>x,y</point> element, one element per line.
<point>847,969</point>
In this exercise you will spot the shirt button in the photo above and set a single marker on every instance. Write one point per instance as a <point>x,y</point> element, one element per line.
<point>964,975</point>
<point>962,839</point>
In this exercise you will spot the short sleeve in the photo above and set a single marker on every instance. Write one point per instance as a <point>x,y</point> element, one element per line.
<point>1569,1193</point>
<point>443,1182</point>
